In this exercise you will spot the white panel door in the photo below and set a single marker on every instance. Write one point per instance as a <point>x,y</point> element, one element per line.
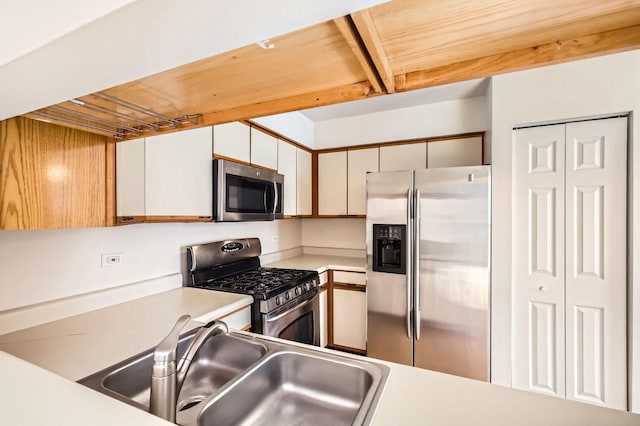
<point>130,178</point>
<point>232,140</point>
<point>304,191</point>
<point>332,183</point>
<point>455,152</point>
<point>359,162</point>
<point>349,318</point>
<point>596,261</point>
<point>179,176</point>
<point>538,287</point>
<point>403,157</point>
<point>287,167</point>
<point>264,149</point>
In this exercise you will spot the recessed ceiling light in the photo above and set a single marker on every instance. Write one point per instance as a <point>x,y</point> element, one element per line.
<point>266,44</point>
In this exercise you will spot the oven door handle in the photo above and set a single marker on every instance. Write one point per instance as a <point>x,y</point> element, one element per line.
<point>287,312</point>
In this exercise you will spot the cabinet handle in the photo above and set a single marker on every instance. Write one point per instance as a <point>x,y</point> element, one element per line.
<point>543,288</point>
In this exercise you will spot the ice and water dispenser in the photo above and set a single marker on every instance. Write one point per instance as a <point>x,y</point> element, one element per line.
<point>390,248</point>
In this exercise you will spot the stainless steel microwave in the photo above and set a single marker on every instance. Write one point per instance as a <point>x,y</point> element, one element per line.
<point>243,193</point>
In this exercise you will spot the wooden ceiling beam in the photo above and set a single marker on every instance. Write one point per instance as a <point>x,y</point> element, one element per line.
<point>335,95</point>
<point>371,39</point>
<point>546,54</point>
<point>349,33</point>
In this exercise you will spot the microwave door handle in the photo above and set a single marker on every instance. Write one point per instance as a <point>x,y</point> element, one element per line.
<point>264,200</point>
<point>275,197</point>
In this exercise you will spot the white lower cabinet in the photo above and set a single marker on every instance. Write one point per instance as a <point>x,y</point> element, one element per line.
<point>324,326</point>
<point>349,318</point>
<point>570,261</point>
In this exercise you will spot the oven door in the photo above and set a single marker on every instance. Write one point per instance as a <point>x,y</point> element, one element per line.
<point>300,323</point>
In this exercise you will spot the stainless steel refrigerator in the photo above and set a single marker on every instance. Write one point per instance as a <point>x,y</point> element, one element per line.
<point>428,274</point>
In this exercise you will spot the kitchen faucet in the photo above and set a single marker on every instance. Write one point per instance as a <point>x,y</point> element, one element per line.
<point>167,378</point>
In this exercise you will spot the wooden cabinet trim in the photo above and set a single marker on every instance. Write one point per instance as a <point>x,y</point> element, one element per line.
<point>276,135</point>
<point>130,220</point>
<point>350,287</point>
<point>330,286</point>
<point>110,183</point>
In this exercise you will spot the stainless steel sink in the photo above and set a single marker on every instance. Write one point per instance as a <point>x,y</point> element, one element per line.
<point>219,360</point>
<point>240,378</point>
<point>297,388</point>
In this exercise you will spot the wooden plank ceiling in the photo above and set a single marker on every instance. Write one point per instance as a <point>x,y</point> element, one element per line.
<point>397,46</point>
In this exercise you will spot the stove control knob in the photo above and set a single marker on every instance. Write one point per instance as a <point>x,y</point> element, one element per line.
<point>278,300</point>
<point>298,291</point>
<point>307,286</point>
<point>288,295</point>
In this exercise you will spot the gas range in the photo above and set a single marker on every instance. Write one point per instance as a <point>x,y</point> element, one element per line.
<point>262,283</point>
<point>234,266</point>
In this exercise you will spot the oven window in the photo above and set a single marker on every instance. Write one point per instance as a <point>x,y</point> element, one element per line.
<point>301,330</point>
<point>246,195</point>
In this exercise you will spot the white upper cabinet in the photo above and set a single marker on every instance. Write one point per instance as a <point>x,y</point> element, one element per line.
<point>303,178</point>
<point>232,140</point>
<point>455,152</point>
<point>403,157</point>
<point>332,183</point>
<point>178,174</point>
<point>287,167</point>
<point>130,178</point>
<point>359,162</point>
<point>264,149</point>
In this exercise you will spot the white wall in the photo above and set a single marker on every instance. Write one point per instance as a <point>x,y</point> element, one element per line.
<point>599,86</point>
<point>334,233</point>
<point>443,118</point>
<point>293,125</point>
<point>44,265</point>
<point>88,59</point>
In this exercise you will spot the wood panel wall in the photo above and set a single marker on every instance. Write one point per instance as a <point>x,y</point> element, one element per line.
<point>51,176</point>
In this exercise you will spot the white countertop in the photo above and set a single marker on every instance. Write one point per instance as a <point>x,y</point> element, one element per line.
<point>321,263</point>
<point>81,345</point>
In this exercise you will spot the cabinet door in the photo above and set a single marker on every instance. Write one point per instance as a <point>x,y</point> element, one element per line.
<point>596,262</point>
<point>304,188</point>
<point>130,178</point>
<point>332,183</point>
<point>359,162</point>
<point>403,157</point>
<point>323,317</point>
<point>231,140</point>
<point>264,149</point>
<point>287,167</point>
<point>538,290</point>
<point>349,318</point>
<point>178,178</point>
<point>455,152</point>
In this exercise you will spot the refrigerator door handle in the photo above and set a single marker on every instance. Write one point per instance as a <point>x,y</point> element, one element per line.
<point>409,260</point>
<point>416,264</point>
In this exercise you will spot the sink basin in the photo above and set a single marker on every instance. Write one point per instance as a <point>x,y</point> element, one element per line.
<point>240,378</point>
<point>219,360</point>
<point>296,388</point>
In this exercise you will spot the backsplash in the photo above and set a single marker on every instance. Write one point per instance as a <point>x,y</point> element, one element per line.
<point>45,265</point>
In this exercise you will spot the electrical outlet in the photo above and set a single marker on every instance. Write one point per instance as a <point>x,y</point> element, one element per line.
<point>114,259</point>
<point>274,238</point>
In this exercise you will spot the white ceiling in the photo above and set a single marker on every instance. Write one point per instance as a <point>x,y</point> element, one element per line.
<point>104,46</point>
<point>448,92</point>
<point>26,25</point>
